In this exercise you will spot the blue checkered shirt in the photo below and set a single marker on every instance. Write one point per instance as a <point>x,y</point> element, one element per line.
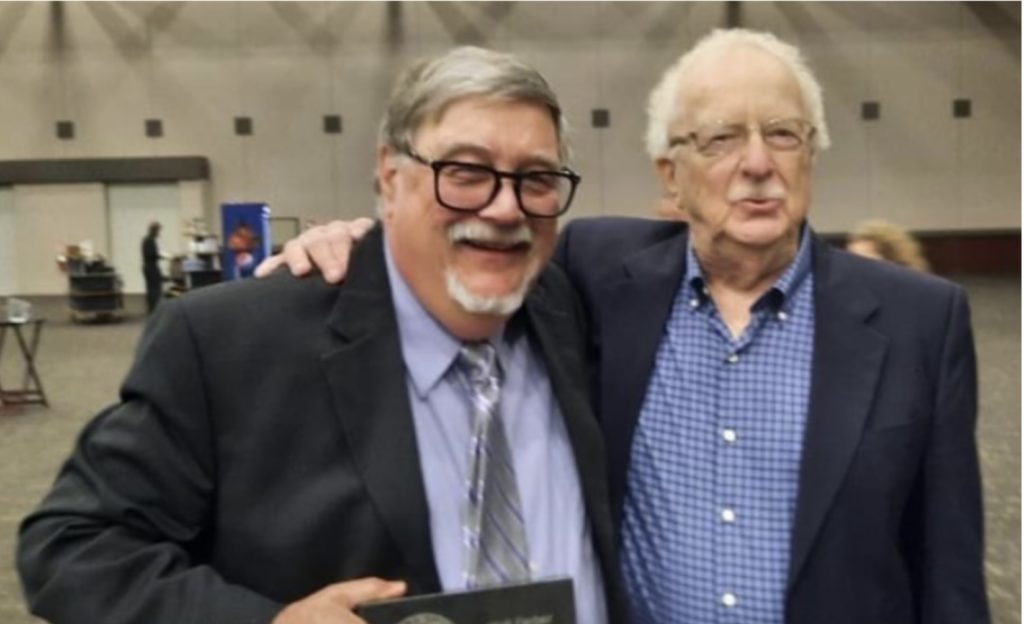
<point>713,478</point>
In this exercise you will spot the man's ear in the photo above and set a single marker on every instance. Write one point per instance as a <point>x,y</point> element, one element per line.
<point>387,168</point>
<point>665,168</point>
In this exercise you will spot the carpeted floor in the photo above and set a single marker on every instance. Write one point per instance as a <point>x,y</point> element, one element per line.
<point>82,365</point>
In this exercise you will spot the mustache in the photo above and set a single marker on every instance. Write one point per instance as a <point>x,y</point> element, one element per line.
<point>742,192</point>
<point>480,232</point>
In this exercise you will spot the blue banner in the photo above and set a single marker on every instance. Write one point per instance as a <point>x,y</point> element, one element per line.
<point>246,238</point>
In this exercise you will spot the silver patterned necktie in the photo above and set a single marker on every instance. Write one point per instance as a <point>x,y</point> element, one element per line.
<point>494,532</point>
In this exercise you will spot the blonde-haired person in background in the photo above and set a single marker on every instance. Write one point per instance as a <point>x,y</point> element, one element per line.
<point>882,240</point>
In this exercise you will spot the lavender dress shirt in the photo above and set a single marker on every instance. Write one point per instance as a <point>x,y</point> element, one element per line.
<point>557,528</point>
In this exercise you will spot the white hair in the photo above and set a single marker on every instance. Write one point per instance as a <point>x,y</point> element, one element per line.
<point>664,107</point>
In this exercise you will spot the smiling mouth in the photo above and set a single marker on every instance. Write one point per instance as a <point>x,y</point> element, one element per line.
<point>495,246</point>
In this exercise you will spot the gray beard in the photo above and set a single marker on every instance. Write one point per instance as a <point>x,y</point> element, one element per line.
<point>504,305</point>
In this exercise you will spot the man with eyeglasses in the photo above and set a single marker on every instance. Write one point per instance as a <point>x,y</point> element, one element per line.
<point>790,428</point>
<point>425,422</point>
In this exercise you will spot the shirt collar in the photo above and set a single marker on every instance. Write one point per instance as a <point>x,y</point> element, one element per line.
<point>776,297</point>
<point>428,349</point>
<point>798,269</point>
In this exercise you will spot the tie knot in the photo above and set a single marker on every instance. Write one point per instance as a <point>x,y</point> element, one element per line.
<point>479,362</point>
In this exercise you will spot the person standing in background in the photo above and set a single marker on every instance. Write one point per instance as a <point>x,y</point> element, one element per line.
<point>151,267</point>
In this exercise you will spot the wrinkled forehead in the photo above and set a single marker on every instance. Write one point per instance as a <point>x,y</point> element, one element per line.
<point>743,84</point>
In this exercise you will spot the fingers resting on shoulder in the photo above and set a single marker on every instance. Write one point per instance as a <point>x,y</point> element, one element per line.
<point>326,247</point>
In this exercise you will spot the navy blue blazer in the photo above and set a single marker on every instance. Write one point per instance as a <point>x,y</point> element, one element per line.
<point>888,526</point>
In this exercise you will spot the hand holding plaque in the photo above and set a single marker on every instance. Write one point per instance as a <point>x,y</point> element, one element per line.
<point>336,602</point>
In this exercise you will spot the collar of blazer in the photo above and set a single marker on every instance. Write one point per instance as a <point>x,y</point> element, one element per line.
<point>848,358</point>
<point>366,376</point>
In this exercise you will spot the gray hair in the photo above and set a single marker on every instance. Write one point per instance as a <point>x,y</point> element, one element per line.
<point>663,107</point>
<point>424,90</point>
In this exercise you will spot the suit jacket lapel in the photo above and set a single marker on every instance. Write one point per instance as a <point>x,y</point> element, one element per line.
<point>368,384</point>
<point>563,357</point>
<point>848,355</point>
<point>635,305</point>
<point>567,373</point>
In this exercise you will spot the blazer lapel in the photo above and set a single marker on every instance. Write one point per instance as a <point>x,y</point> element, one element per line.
<point>368,384</point>
<point>635,305</point>
<point>566,370</point>
<point>563,357</point>
<point>848,355</point>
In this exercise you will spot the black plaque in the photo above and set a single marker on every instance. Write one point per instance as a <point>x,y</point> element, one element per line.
<point>542,602</point>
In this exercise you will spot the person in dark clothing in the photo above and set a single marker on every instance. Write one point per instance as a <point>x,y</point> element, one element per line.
<point>172,510</point>
<point>151,267</point>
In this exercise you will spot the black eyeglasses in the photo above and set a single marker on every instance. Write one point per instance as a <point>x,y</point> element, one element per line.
<point>471,187</point>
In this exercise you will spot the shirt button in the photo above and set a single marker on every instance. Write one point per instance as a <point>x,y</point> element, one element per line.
<point>733,358</point>
<point>729,435</point>
<point>728,515</point>
<point>782,316</point>
<point>694,303</point>
<point>729,599</point>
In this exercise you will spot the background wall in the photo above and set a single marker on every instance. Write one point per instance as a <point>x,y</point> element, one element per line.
<point>46,218</point>
<point>109,66</point>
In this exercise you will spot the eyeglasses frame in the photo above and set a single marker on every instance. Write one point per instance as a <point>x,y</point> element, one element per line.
<point>690,137</point>
<point>516,177</point>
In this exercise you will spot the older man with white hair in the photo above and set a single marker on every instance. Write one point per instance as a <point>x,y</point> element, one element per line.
<point>790,428</point>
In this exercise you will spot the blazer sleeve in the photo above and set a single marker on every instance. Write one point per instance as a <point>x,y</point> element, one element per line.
<point>120,537</point>
<point>950,531</point>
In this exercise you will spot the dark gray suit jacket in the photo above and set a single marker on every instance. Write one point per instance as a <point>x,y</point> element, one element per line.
<point>888,526</point>
<point>264,448</point>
